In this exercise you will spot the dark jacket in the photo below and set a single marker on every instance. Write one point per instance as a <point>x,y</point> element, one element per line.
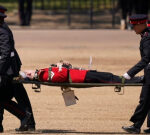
<point>145,54</point>
<point>9,60</point>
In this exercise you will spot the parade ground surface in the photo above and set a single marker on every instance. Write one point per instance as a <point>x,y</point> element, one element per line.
<point>99,110</point>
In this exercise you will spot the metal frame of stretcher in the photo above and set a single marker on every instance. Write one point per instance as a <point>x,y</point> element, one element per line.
<point>118,86</point>
<point>68,93</point>
<point>79,85</point>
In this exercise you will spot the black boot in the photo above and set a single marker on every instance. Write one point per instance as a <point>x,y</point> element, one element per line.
<point>1,128</point>
<point>132,129</point>
<point>26,128</point>
<point>24,124</point>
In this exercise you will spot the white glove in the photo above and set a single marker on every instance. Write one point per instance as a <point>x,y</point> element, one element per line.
<point>22,74</point>
<point>126,76</point>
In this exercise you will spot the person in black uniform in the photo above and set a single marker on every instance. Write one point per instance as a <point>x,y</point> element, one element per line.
<point>141,6</point>
<point>25,12</point>
<point>126,10</point>
<point>6,95</point>
<point>9,69</point>
<point>20,93</point>
<point>140,27</point>
<point>148,116</point>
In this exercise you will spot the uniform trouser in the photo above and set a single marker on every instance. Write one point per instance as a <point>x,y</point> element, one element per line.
<point>143,108</point>
<point>126,7</point>
<point>13,108</point>
<point>6,94</point>
<point>23,101</point>
<point>148,119</point>
<point>106,77</point>
<point>141,6</point>
<point>25,12</point>
<point>1,114</point>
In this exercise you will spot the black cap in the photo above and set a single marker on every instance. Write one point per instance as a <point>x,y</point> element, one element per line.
<point>138,19</point>
<point>3,9</point>
<point>2,15</point>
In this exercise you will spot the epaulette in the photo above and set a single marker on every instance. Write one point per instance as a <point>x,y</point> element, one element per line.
<point>146,34</point>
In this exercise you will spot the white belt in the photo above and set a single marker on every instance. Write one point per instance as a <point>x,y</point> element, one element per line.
<point>12,54</point>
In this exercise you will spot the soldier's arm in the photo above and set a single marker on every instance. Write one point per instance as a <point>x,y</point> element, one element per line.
<point>5,51</point>
<point>143,62</point>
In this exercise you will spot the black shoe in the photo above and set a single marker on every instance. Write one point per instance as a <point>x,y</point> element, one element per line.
<point>132,129</point>
<point>26,128</point>
<point>24,123</point>
<point>147,131</point>
<point>31,127</point>
<point>1,129</point>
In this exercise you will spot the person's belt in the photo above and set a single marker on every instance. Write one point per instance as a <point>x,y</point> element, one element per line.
<point>12,54</point>
<point>49,74</point>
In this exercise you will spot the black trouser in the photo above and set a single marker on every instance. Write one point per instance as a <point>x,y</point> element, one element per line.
<point>23,101</point>
<point>126,8</point>
<point>148,119</point>
<point>13,108</point>
<point>106,77</point>
<point>1,114</point>
<point>141,6</point>
<point>25,11</point>
<point>6,94</point>
<point>143,108</point>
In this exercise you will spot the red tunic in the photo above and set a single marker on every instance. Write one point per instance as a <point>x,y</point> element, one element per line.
<point>76,75</point>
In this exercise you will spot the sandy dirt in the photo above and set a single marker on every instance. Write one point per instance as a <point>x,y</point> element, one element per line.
<point>99,110</point>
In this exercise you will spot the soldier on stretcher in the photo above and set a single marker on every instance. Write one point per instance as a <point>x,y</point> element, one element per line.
<point>64,72</point>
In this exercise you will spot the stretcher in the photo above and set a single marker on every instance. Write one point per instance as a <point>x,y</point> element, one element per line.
<point>68,93</point>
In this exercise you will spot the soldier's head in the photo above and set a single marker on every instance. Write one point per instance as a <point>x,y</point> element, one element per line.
<point>27,74</point>
<point>3,9</point>
<point>139,22</point>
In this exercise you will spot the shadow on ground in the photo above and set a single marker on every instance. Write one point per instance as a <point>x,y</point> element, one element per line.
<point>54,131</point>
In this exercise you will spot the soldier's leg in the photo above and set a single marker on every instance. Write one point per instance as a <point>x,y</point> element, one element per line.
<point>148,119</point>
<point>137,6</point>
<point>98,77</point>
<point>144,7</point>
<point>13,108</point>
<point>147,81</point>
<point>106,77</point>
<point>28,11</point>
<point>22,99</point>
<point>1,118</point>
<point>144,103</point>
<point>21,12</point>
<point>143,107</point>
<point>19,112</point>
<point>148,124</point>
<point>123,5</point>
<point>1,114</point>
